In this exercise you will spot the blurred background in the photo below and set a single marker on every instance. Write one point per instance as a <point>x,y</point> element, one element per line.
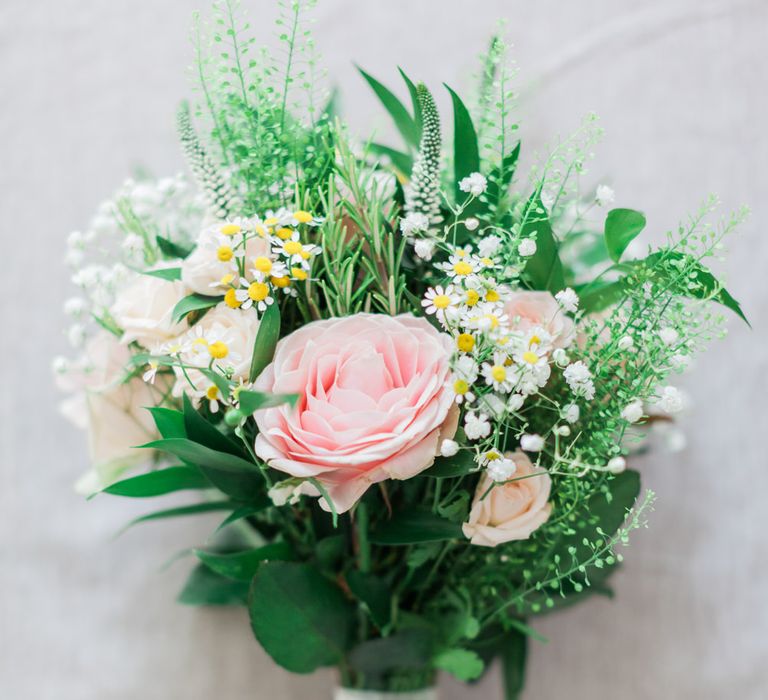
<point>89,90</point>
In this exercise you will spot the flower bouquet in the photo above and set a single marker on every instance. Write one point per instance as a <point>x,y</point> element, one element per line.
<point>407,379</point>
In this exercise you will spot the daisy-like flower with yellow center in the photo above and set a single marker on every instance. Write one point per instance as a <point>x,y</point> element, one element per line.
<point>294,252</point>
<point>213,395</point>
<point>487,318</point>
<point>501,374</point>
<point>254,294</point>
<point>464,376</point>
<point>442,303</point>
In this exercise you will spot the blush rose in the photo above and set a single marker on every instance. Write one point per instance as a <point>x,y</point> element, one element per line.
<point>511,511</point>
<point>374,402</point>
<point>529,310</point>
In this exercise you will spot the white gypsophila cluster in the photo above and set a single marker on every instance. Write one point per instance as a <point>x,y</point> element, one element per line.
<point>579,379</point>
<point>474,184</point>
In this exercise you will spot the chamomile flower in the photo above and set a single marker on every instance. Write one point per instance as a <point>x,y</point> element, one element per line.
<point>295,252</point>
<point>442,303</point>
<point>304,217</point>
<point>256,294</point>
<point>461,267</point>
<point>500,373</point>
<point>151,373</point>
<point>487,318</point>
<point>213,395</point>
<point>464,376</point>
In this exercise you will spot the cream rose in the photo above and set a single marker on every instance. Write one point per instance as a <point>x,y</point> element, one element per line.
<point>374,403</point>
<point>204,267</point>
<point>144,309</point>
<point>511,511</point>
<point>111,411</point>
<point>529,310</point>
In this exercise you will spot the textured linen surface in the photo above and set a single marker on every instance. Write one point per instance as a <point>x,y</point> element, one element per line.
<point>89,90</point>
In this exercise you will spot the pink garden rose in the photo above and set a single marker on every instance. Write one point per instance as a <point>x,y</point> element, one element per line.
<point>374,403</point>
<point>529,310</point>
<point>511,511</point>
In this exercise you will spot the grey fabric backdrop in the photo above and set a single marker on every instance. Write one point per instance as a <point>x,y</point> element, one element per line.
<point>88,89</point>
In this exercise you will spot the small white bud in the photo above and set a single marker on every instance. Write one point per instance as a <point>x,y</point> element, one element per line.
<point>471,223</point>
<point>625,342</point>
<point>448,448</point>
<point>617,465</point>
<point>633,411</point>
<point>527,247</point>
<point>532,443</point>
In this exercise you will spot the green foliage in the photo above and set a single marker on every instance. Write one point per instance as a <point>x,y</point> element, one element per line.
<point>514,653</point>
<point>242,566</point>
<point>405,123</point>
<point>466,665</point>
<point>544,270</point>
<point>289,602</point>
<point>621,227</point>
<point>466,156</point>
<point>266,341</point>
<point>413,526</point>
<point>159,483</point>
<point>191,303</point>
<point>205,587</point>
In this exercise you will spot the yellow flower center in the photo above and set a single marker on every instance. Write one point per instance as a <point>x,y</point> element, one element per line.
<point>461,253</point>
<point>535,340</point>
<point>492,456</point>
<point>293,248</point>
<point>492,295</point>
<point>303,217</point>
<point>465,342</point>
<point>472,297</point>
<point>227,279</point>
<point>258,291</point>
<point>298,273</point>
<point>224,253</point>
<point>212,393</point>
<point>284,233</point>
<point>441,301</point>
<point>460,387</point>
<point>261,230</point>
<point>498,373</point>
<point>493,320</point>
<point>530,357</point>
<point>262,264</point>
<point>462,268</point>
<point>271,221</point>
<point>230,299</point>
<point>218,350</point>
<point>200,341</point>
<point>486,261</point>
<point>280,282</point>
<point>230,229</point>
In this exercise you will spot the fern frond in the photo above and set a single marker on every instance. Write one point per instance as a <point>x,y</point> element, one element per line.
<point>423,195</point>
<point>222,199</point>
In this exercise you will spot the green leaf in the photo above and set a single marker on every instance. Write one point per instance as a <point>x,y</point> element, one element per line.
<point>621,227</point>
<point>251,401</point>
<point>242,566</point>
<point>409,649</point>
<point>544,269</point>
<point>205,587</point>
<point>414,99</point>
<point>403,162</point>
<point>374,593</point>
<point>404,122</point>
<point>202,432</point>
<point>165,273</point>
<point>160,482</point>
<point>417,525</point>
<point>170,249</point>
<point>463,664</point>
<point>302,619</point>
<point>501,176</point>
<point>240,513</point>
<point>201,455</point>
<point>266,341</point>
<point>466,155</point>
<point>513,652</point>
<point>169,421</point>
<point>460,464</point>
<point>181,511</point>
<point>193,302</point>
